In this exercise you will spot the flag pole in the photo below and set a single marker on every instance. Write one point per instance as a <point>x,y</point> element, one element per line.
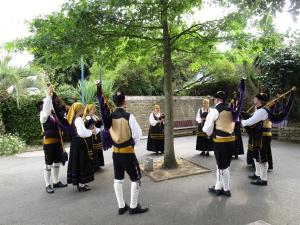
<point>82,80</point>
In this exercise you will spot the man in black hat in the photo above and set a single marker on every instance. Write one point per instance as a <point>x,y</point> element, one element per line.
<point>261,139</point>
<point>125,133</point>
<point>220,124</point>
<point>51,143</point>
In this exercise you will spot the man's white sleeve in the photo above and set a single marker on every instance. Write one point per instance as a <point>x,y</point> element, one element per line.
<point>46,111</point>
<point>136,130</point>
<point>259,115</point>
<point>209,124</point>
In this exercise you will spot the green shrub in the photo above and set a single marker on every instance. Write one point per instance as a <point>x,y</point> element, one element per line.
<point>11,144</point>
<point>23,121</point>
<point>90,91</point>
<point>211,88</point>
<point>67,93</point>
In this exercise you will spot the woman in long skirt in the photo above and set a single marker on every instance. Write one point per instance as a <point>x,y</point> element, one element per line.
<point>80,166</point>
<point>91,119</point>
<point>204,143</point>
<point>156,131</point>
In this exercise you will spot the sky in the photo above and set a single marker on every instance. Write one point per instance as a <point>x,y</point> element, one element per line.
<point>15,13</point>
<point>13,17</point>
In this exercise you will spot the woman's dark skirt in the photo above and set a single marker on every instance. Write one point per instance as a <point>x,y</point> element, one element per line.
<point>98,151</point>
<point>156,139</point>
<point>204,143</point>
<point>80,166</point>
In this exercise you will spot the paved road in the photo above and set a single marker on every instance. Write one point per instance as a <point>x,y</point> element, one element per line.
<point>183,201</point>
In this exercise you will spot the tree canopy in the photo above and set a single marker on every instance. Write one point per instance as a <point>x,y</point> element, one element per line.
<point>158,34</point>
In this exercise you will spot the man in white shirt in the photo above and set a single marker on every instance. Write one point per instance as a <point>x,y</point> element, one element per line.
<point>52,144</point>
<point>125,133</point>
<point>219,123</point>
<point>261,139</point>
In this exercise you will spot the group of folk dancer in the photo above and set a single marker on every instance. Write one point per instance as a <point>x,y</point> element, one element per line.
<point>218,131</point>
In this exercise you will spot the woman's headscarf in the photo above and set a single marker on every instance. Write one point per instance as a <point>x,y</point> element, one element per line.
<point>75,107</point>
<point>87,110</point>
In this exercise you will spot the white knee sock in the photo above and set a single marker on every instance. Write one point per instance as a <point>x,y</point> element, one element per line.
<point>47,175</point>
<point>118,186</point>
<point>257,168</point>
<point>264,171</point>
<point>135,189</point>
<point>226,179</point>
<point>219,184</point>
<point>55,170</point>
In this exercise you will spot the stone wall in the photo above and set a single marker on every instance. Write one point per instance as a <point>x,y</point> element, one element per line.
<point>289,134</point>
<point>185,108</point>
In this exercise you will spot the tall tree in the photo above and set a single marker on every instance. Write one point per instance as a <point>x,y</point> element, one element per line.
<point>109,29</point>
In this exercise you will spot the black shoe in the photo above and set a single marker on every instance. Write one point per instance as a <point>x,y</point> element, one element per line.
<point>123,210</point>
<point>260,182</point>
<point>212,189</point>
<point>270,170</point>
<point>59,185</point>
<point>138,210</point>
<point>236,157</point>
<point>226,193</point>
<point>202,153</point>
<point>49,189</point>
<point>83,189</point>
<point>219,192</point>
<point>253,177</point>
<point>207,154</point>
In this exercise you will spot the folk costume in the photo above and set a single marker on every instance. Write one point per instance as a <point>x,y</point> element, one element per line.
<point>125,133</point>
<point>261,140</point>
<point>235,104</point>
<point>91,120</point>
<point>155,142</point>
<point>52,144</point>
<point>80,167</point>
<point>220,124</point>
<point>204,143</point>
<point>249,158</point>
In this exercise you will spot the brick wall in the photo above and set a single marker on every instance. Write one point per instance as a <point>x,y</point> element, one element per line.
<point>185,108</point>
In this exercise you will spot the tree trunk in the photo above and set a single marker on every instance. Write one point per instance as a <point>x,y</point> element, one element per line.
<point>169,156</point>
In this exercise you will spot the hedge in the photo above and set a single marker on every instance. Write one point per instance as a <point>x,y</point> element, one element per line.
<point>23,121</point>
